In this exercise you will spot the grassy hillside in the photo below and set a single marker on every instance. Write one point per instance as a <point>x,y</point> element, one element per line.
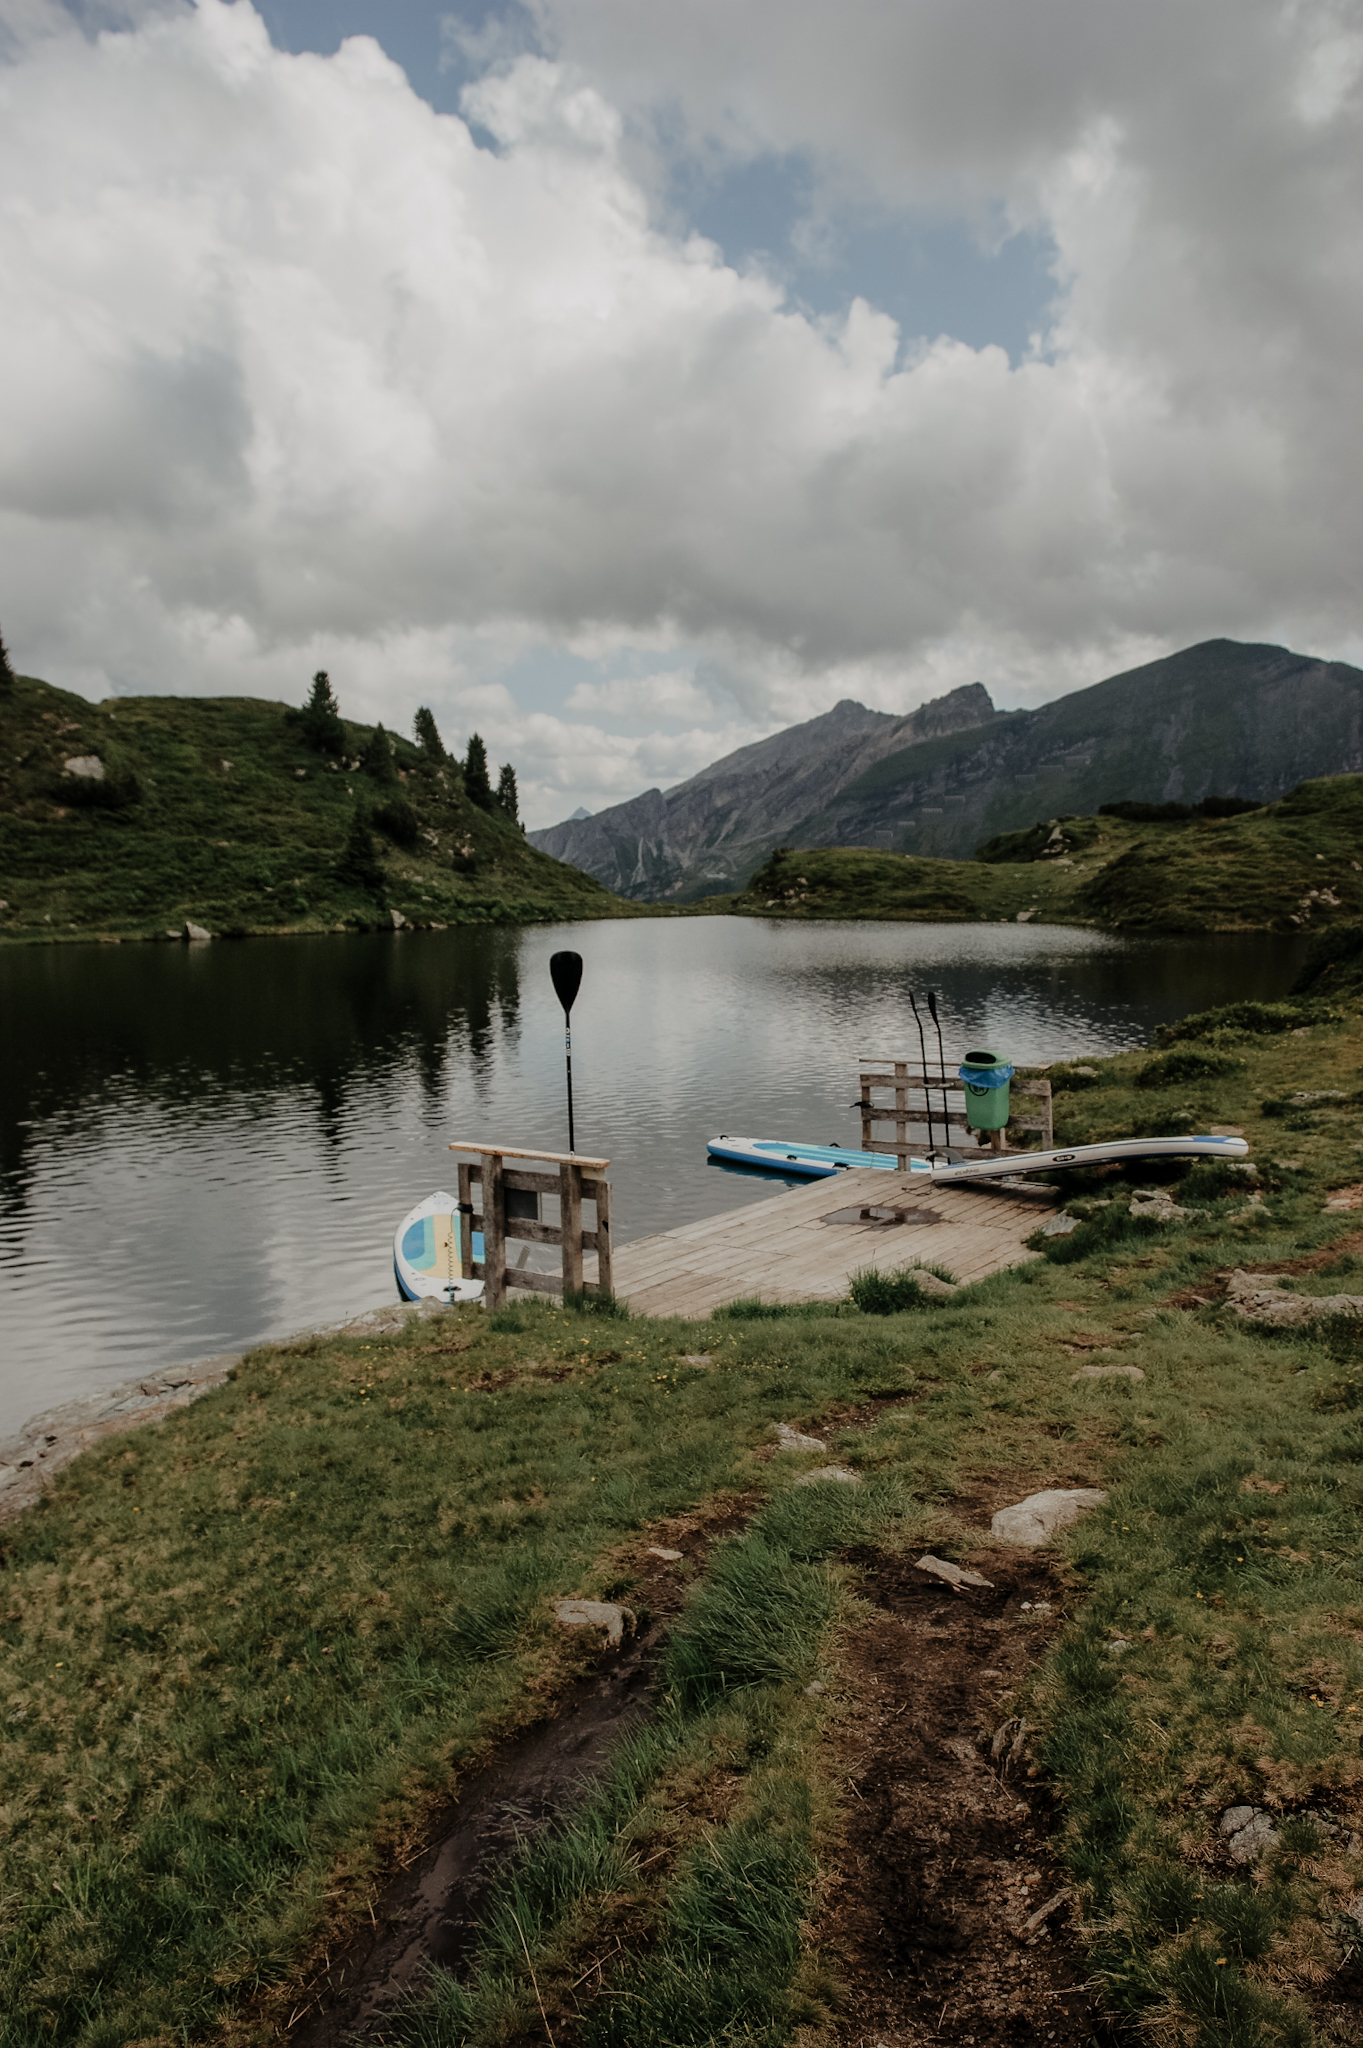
<point>252,1654</point>
<point>1296,865</point>
<point>218,811</point>
<point>1220,717</point>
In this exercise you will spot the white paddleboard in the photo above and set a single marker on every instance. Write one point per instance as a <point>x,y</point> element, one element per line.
<point>426,1253</point>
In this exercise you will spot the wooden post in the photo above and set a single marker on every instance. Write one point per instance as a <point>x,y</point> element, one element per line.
<point>570,1225</point>
<point>494,1232</point>
<point>465,1221</point>
<point>601,1194</point>
<point>901,1111</point>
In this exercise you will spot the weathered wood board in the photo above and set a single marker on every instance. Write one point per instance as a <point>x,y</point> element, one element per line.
<point>784,1250</point>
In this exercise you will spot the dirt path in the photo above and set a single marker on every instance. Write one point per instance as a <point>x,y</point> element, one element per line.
<point>945,1854</point>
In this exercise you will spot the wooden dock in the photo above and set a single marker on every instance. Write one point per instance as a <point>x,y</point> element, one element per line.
<point>785,1249</point>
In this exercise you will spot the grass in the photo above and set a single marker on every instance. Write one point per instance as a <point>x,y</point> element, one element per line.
<point>1290,867</point>
<point>245,1651</point>
<point>217,812</point>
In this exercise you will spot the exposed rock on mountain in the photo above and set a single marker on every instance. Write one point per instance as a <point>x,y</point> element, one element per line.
<point>707,835</point>
<point>1220,718</point>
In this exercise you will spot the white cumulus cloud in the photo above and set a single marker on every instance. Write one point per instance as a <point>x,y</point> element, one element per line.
<point>296,373</point>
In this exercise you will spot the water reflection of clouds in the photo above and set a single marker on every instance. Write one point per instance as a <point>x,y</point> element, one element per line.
<point>200,1147</point>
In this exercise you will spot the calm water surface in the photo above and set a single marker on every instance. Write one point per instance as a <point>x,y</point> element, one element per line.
<point>203,1146</point>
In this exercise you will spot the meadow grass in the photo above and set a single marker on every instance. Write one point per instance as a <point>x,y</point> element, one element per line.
<point>246,1650</point>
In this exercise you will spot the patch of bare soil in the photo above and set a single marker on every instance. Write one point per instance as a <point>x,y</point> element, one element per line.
<point>948,1917</point>
<point>429,1911</point>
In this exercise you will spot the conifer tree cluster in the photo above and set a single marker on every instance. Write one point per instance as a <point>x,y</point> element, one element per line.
<point>359,863</point>
<point>377,758</point>
<point>428,734</point>
<point>506,792</point>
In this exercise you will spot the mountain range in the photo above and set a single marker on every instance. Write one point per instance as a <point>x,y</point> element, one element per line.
<point>1224,718</point>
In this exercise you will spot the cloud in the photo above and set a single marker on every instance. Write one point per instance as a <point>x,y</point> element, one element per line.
<point>671,693</point>
<point>299,373</point>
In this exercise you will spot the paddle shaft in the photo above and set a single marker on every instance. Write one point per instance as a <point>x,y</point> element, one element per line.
<point>568,1058</point>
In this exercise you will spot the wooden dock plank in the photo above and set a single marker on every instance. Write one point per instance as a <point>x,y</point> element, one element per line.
<point>783,1250</point>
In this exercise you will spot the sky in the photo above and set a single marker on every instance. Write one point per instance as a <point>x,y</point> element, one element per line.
<point>628,380</point>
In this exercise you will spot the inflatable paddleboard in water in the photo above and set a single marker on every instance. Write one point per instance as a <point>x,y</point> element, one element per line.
<point>426,1253</point>
<point>818,1162</point>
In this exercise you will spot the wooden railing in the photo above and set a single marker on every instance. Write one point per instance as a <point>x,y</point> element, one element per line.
<point>921,1095</point>
<point>510,1208</point>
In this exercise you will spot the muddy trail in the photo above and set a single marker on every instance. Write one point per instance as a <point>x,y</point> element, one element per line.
<point>428,1913</point>
<point>948,1918</point>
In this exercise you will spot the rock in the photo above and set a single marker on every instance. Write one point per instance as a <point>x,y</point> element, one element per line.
<point>1261,1298</point>
<point>194,932</point>
<point>668,1556</point>
<point>1089,1073</point>
<point>398,920</point>
<point>88,766</point>
<point>1024,917</point>
<point>1158,1206</point>
<point>814,1691</point>
<point>1249,1832</point>
<point>955,1575</point>
<point>1108,1372</point>
<point>1033,1522</point>
<point>1060,1225</point>
<point>1037,1921</point>
<point>1344,1198</point>
<point>1118,1647</point>
<point>791,1439</point>
<point>300,774</point>
<point>595,1614</point>
<point>697,1358</point>
<point>843,1473</point>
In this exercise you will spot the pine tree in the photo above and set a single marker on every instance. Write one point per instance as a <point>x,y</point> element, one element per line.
<point>476,782</point>
<point>359,863</point>
<point>377,758</point>
<point>506,791</point>
<point>428,734</point>
<point>6,672</point>
<point>320,717</point>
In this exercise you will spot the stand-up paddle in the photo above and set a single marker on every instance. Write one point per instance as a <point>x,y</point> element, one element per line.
<point>927,1098</point>
<point>565,971</point>
<point>941,1066</point>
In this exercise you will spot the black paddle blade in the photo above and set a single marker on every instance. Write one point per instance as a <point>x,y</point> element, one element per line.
<point>932,1003</point>
<point>565,971</point>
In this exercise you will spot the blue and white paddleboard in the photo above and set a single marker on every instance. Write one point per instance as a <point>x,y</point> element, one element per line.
<point>789,1156</point>
<point>818,1162</point>
<point>426,1253</point>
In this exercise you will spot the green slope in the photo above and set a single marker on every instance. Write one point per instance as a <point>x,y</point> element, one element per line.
<point>1293,866</point>
<point>1221,718</point>
<point>216,811</point>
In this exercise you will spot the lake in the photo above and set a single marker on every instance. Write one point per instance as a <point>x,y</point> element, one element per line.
<point>202,1146</point>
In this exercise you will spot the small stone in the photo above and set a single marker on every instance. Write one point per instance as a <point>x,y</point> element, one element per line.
<point>1033,1522</point>
<point>398,920</point>
<point>1108,1372</point>
<point>791,1439</point>
<point>955,1575</point>
<point>194,932</point>
<point>1060,1225</point>
<point>697,1358</point>
<point>1118,1646</point>
<point>603,1614</point>
<point>1250,1832</point>
<point>842,1473</point>
<point>668,1556</point>
<point>815,1690</point>
<point>1157,1206</point>
<point>991,1674</point>
<point>300,774</point>
<point>87,766</point>
<point>996,1374</point>
<point>1089,1073</point>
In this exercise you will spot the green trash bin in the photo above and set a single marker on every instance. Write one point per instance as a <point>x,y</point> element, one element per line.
<point>986,1079</point>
